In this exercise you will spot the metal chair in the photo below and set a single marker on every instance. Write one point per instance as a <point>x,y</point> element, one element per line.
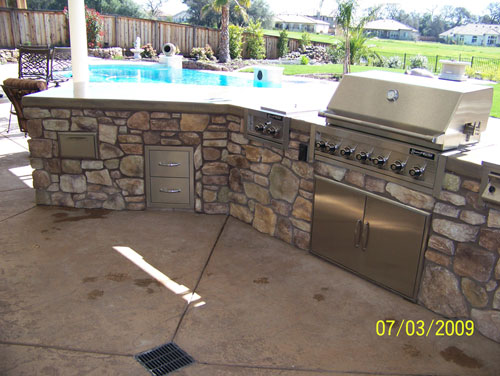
<point>34,62</point>
<point>61,61</point>
<point>16,89</point>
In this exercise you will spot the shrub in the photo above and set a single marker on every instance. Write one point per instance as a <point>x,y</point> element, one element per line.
<point>235,41</point>
<point>335,53</point>
<point>418,61</point>
<point>283,44</point>
<point>255,41</point>
<point>149,51</point>
<point>94,23</point>
<point>304,60</point>
<point>393,62</point>
<point>203,53</point>
<point>305,41</point>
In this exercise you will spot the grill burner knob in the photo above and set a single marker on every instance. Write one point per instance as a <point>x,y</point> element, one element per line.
<point>397,166</point>
<point>347,151</point>
<point>379,161</point>
<point>363,156</point>
<point>320,145</point>
<point>330,148</point>
<point>272,131</point>
<point>259,127</point>
<point>416,171</point>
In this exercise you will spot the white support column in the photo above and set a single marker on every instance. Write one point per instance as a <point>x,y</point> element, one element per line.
<point>79,52</point>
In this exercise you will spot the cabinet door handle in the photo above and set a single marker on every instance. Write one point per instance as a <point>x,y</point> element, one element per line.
<point>366,234</point>
<point>165,190</point>
<point>357,232</point>
<point>169,164</point>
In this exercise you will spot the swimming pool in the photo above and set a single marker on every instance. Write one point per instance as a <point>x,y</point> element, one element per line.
<point>155,73</point>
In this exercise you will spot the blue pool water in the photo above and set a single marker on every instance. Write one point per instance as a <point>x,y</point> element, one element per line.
<point>162,74</point>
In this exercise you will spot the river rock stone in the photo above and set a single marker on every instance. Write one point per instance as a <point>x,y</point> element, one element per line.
<point>108,151</point>
<point>440,293</point>
<point>92,165</point>
<point>235,180</point>
<point>209,196</point>
<point>139,120</point>
<point>303,169</point>
<point>301,239</point>
<point>326,170</point>
<point>487,322</point>
<point>41,179</point>
<point>71,166</point>
<point>132,148</point>
<point>472,218</point>
<point>264,219</point>
<point>241,212</point>
<point>214,135</point>
<point>301,225</point>
<point>238,138</point>
<point>215,168</point>
<point>453,198</point>
<point>83,123</point>
<point>252,153</point>
<point>165,125</point>
<point>130,139</point>
<point>442,244</point>
<point>261,180</point>
<point>302,209</point>
<point>438,258</point>
<point>490,239</point>
<point>62,199</point>
<point>355,178</point>
<point>375,185</point>
<point>475,294</point>
<point>160,115</point>
<point>471,261</point>
<point>233,148</point>
<point>283,183</point>
<point>112,164</point>
<point>496,299</point>
<point>194,122</point>
<point>40,148</point>
<point>284,230</point>
<point>451,182</point>
<point>198,158</point>
<point>238,161</point>
<point>473,199</point>
<point>447,210</point>
<point>99,177</point>
<point>73,184</point>
<point>34,128</point>
<point>281,207</point>
<point>494,218</point>
<point>456,231</point>
<point>257,192</point>
<point>60,113</point>
<point>115,202</point>
<point>410,197</point>
<point>36,113</point>
<point>270,157</point>
<point>56,125</point>
<point>189,138</point>
<point>215,180</point>
<point>497,270</point>
<point>215,208</point>
<point>471,185</point>
<point>151,138</point>
<point>260,168</point>
<point>132,165</point>
<point>108,133</point>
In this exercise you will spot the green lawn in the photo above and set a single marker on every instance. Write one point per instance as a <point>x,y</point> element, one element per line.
<point>495,109</point>
<point>321,38</point>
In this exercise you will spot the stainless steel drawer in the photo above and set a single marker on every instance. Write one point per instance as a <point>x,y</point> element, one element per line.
<point>77,145</point>
<point>170,190</point>
<point>169,163</point>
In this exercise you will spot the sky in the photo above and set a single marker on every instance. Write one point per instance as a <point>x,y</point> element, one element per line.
<point>310,7</point>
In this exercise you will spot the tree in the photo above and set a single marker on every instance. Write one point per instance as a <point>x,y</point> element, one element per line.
<point>494,9</point>
<point>120,7</point>
<point>223,6</point>
<point>210,18</point>
<point>153,8</point>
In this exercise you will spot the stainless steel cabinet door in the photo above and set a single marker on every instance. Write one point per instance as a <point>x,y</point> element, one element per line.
<point>391,244</point>
<point>337,220</point>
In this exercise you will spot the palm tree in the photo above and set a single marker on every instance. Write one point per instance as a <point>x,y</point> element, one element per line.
<point>223,7</point>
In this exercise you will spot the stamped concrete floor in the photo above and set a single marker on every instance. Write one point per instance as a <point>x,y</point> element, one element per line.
<point>82,291</point>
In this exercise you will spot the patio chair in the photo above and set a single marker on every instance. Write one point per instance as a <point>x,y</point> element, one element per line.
<point>16,89</point>
<point>34,62</point>
<point>61,62</point>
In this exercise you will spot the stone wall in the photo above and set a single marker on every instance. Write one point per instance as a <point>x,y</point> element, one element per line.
<point>269,189</point>
<point>462,268</point>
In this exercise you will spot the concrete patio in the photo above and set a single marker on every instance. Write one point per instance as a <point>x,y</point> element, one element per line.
<point>83,291</point>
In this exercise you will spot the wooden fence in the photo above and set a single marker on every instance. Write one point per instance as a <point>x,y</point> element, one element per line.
<point>21,26</point>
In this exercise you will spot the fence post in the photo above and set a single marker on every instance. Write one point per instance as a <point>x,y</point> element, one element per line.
<point>116,32</point>
<point>404,61</point>
<point>436,65</point>
<point>471,61</point>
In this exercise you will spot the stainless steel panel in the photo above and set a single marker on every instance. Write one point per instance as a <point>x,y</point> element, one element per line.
<point>79,145</point>
<point>169,163</point>
<point>170,190</point>
<point>335,229</point>
<point>394,238</point>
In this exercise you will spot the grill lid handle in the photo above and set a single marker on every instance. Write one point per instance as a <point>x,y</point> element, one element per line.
<point>380,126</point>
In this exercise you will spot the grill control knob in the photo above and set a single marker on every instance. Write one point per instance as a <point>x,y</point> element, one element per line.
<point>379,161</point>
<point>347,151</point>
<point>398,166</point>
<point>320,145</point>
<point>259,127</point>
<point>416,171</point>
<point>272,131</point>
<point>330,148</point>
<point>362,156</point>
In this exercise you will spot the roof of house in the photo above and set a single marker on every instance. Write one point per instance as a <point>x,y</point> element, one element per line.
<point>388,25</point>
<point>292,18</point>
<point>472,29</point>
<point>183,13</point>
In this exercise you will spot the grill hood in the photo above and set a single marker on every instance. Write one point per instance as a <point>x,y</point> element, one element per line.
<point>437,113</point>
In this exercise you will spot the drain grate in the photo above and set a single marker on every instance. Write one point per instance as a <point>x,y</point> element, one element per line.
<point>164,359</point>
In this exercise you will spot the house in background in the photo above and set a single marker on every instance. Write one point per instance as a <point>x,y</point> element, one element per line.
<point>181,17</point>
<point>300,23</point>
<point>474,35</point>
<point>390,29</point>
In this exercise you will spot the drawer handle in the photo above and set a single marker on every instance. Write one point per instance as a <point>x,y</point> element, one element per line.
<point>169,164</point>
<point>165,190</point>
<point>365,235</point>
<point>357,232</point>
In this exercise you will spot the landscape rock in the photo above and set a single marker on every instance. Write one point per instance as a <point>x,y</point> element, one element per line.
<point>487,322</point>
<point>410,197</point>
<point>456,231</point>
<point>475,294</point>
<point>451,182</point>
<point>257,192</point>
<point>302,209</point>
<point>100,177</point>
<point>139,120</point>
<point>108,133</point>
<point>264,219</point>
<point>194,122</point>
<point>490,239</point>
<point>241,212</point>
<point>494,218</point>
<point>329,171</point>
<point>447,210</point>
<point>472,218</point>
<point>73,184</point>
<point>471,261</point>
<point>40,148</point>
<point>283,183</point>
<point>132,165</point>
<point>108,151</point>
<point>41,179</point>
<point>83,123</point>
<point>442,244</point>
<point>284,229</point>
